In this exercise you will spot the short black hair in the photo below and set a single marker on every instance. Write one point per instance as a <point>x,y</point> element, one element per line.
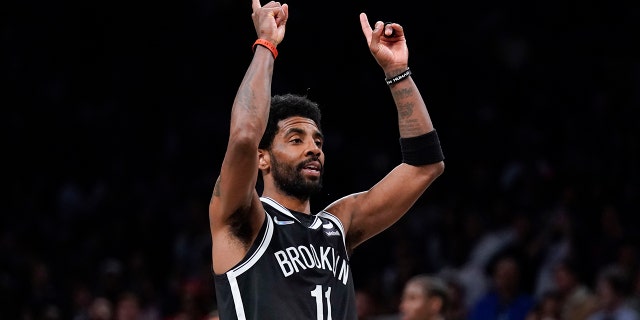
<point>285,106</point>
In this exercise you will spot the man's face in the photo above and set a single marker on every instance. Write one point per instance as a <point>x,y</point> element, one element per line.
<point>297,158</point>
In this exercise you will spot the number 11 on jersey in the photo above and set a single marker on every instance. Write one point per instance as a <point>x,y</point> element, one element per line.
<point>317,293</point>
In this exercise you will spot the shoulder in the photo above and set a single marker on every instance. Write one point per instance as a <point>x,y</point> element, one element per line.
<point>344,207</point>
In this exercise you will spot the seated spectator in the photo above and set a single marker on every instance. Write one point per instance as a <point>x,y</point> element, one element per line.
<point>576,299</point>
<point>504,299</point>
<point>547,308</point>
<point>424,297</point>
<point>612,290</point>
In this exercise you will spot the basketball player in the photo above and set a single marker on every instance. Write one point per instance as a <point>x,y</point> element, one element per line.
<point>272,257</point>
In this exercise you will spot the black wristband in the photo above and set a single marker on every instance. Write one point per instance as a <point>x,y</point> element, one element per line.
<point>399,77</point>
<point>421,150</point>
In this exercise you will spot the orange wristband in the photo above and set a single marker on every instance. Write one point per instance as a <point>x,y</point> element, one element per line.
<point>266,44</point>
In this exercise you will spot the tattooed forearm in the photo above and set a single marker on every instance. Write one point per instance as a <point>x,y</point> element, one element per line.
<point>399,94</point>
<point>411,127</point>
<point>405,106</point>
<point>405,110</point>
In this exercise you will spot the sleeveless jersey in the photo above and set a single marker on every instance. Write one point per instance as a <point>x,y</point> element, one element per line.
<point>297,269</point>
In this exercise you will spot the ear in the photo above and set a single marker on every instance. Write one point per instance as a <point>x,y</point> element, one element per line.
<point>264,162</point>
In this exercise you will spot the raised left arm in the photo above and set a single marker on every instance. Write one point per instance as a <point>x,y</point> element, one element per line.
<point>368,213</point>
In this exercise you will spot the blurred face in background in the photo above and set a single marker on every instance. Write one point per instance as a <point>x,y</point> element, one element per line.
<point>606,293</point>
<point>414,302</point>
<point>128,308</point>
<point>101,309</point>
<point>565,281</point>
<point>417,305</point>
<point>506,276</point>
<point>364,304</point>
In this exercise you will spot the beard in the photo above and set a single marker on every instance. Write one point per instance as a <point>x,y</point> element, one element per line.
<point>292,182</point>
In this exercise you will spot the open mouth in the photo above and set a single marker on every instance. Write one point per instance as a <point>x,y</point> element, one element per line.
<point>312,168</point>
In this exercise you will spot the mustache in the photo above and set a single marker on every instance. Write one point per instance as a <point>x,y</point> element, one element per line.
<point>313,159</point>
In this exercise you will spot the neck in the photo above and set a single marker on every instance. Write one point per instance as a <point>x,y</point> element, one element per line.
<point>289,202</point>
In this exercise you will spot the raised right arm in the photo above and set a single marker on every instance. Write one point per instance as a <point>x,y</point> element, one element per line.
<point>235,212</point>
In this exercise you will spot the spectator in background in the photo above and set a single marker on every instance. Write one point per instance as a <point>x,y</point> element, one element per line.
<point>424,297</point>
<point>365,304</point>
<point>81,301</point>
<point>128,308</point>
<point>547,307</point>
<point>505,299</point>
<point>612,290</point>
<point>457,309</point>
<point>507,233</point>
<point>101,309</point>
<point>555,240</point>
<point>576,299</point>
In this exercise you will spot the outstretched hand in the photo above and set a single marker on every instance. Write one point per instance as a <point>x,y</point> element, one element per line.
<point>387,43</point>
<point>270,20</point>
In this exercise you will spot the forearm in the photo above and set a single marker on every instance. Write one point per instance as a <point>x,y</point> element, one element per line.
<point>418,139</point>
<point>413,117</point>
<point>250,110</point>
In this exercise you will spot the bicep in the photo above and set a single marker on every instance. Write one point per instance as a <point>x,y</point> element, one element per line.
<point>375,210</point>
<point>234,188</point>
<point>235,213</point>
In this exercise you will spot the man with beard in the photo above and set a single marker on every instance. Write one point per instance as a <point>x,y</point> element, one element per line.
<point>272,258</point>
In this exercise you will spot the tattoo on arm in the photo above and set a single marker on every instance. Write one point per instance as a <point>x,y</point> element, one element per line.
<point>405,109</point>
<point>410,126</point>
<point>402,93</point>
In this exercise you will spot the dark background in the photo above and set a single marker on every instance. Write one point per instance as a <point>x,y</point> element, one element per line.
<point>115,120</point>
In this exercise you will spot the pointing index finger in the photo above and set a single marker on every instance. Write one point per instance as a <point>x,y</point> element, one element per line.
<point>255,5</point>
<point>366,27</point>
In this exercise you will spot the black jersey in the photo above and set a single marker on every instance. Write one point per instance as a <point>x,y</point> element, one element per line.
<point>297,269</point>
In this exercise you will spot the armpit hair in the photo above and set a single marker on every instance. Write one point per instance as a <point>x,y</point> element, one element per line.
<point>239,226</point>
